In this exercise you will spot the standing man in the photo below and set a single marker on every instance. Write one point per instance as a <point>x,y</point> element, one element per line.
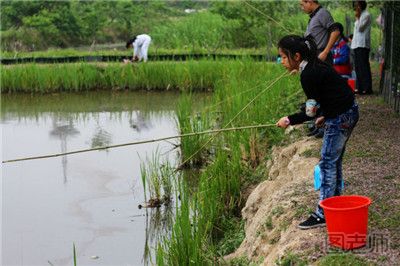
<point>321,27</point>
<point>361,45</point>
<point>140,45</point>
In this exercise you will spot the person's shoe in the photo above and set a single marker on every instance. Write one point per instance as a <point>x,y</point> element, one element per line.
<point>312,222</point>
<point>320,133</point>
<point>317,132</point>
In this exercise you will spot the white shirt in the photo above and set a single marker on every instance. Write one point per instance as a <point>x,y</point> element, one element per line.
<point>302,65</point>
<point>362,31</point>
<point>139,41</point>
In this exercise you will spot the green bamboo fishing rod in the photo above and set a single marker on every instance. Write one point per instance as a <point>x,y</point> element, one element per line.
<point>138,142</point>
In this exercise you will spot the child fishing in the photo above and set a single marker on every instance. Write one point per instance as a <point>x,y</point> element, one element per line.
<point>324,86</point>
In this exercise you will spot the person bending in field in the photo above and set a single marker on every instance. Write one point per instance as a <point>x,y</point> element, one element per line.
<point>321,84</point>
<point>140,45</point>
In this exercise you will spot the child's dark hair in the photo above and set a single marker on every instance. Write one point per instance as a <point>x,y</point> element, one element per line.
<point>361,4</point>
<point>129,42</point>
<point>340,28</point>
<point>306,47</point>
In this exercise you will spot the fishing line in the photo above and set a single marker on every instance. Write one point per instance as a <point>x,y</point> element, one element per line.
<point>271,18</point>
<point>244,108</point>
<point>231,97</point>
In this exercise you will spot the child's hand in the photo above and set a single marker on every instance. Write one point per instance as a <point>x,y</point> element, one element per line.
<point>319,122</point>
<point>284,122</point>
<point>323,55</point>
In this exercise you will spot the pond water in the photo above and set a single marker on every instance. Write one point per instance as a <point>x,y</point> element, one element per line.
<point>89,199</point>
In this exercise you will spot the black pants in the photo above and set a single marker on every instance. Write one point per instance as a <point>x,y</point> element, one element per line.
<point>363,70</point>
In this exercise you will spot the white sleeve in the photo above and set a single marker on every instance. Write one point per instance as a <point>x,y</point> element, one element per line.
<point>364,22</point>
<point>135,48</point>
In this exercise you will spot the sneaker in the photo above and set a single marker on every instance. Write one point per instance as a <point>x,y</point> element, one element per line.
<point>317,132</point>
<point>320,133</point>
<point>312,222</point>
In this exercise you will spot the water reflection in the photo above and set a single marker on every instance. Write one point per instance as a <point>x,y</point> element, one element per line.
<point>101,138</point>
<point>62,130</point>
<point>158,226</point>
<point>140,122</point>
<point>98,209</point>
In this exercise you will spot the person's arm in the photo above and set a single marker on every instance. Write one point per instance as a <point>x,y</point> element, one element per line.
<point>332,39</point>
<point>329,24</point>
<point>298,118</point>
<point>135,49</point>
<point>364,22</point>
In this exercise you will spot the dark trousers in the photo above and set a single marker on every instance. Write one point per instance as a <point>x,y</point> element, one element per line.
<point>363,70</point>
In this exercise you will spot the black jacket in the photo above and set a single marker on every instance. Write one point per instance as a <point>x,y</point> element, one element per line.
<point>321,83</point>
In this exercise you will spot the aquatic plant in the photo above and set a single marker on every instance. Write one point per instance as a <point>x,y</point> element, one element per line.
<point>157,179</point>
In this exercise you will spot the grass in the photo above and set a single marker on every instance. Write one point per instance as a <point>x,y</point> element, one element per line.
<point>74,253</point>
<point>268,223</point>
<point>121,51</point>
<point>157,179</point>
<point>342,259</point>
<point>189,122</point>
<point>224,172</point>
<point>181,76</point>
<point>311,153</point>
<point>244,261</point>
<point>291,259</point>
<point>277,211</point>
<point>234,234</point>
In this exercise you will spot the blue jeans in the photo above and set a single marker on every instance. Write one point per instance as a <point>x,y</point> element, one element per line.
<point>337,132</point>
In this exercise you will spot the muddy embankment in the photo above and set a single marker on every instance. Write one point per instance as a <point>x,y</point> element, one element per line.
<point>277,205</point>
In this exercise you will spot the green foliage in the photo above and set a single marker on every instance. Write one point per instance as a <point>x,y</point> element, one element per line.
<point>191,75</point>
<point>291,259</point>
<point>243,261</point>
<point>74,253</point>
<point>215,25</point>
<point>342,259</point>
<point>217,195</point>
<point>72,23</point>
<point>260,23</point>
<point>194,32</point>
<point>234,234</point>
<point>157,178</point>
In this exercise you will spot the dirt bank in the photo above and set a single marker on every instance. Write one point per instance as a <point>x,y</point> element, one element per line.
<point>274,208</point>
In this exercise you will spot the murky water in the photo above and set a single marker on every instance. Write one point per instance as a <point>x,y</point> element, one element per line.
<point>90,199</point>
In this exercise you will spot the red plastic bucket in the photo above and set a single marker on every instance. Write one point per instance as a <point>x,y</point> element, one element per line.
<point>346,220</point>
<point>352,84</point>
